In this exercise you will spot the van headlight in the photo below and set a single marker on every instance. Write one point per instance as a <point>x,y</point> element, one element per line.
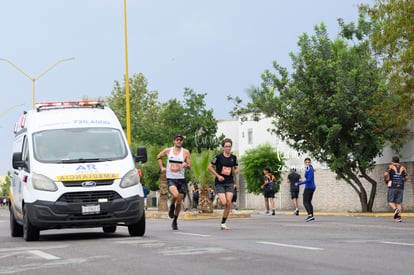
<point>43,183</point>
<point>130,179</point>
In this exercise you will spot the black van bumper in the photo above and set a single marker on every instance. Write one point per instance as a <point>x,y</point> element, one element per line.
<point>54,215</point>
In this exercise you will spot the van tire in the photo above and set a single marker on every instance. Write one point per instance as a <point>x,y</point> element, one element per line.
<point>16,229</point>
<point>109,229</point>
<point>138,228</point>
<point>30,233</point>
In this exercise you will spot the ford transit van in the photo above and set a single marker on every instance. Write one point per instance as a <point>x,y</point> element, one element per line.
<point>73,168</point>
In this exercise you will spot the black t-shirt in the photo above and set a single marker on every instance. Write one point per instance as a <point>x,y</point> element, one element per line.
<point>224,167</point>
<point>294,178</point>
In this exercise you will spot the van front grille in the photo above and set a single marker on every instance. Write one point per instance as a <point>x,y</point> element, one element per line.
<point>88,197</point>
<point>81,183</point>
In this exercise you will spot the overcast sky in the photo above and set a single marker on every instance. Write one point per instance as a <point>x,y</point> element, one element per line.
<point>218,47</point>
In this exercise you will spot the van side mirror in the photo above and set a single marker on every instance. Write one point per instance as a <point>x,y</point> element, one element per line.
<point>17,161</point>
<point>141,155</point>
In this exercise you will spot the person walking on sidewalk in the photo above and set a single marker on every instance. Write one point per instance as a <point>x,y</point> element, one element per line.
<point>178,159</point>
<point>395,176</point>
<point>268,187</point>
<point>223,166</point>
<point>293,178</point>
<point>310,187</point>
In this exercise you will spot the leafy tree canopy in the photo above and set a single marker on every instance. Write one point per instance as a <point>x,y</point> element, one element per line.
<point>325,107</point>
<point>389,26</point>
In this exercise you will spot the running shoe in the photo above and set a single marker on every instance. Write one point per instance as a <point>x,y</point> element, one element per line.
<point>296,212</point>
<point>174,225</point>
<point>396,213</point>
<point>224,227</point>
<point>398,219</point>
<point>310,218</point>
<point>171,212</point>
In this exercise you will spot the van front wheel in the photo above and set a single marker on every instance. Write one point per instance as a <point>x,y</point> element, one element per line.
<point>30,233</point>
<point>138,228</point>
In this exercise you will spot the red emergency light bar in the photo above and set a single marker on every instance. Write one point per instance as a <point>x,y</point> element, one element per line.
<point>70,103</point>
<point>57,105</point>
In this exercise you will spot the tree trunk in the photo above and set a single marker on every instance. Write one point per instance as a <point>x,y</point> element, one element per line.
<point>356,184</point>
<point>205,205</point>
<point>372,193</point>
<point>163,203</point>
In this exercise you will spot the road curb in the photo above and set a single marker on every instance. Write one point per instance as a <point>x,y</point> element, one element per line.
<point>199,216</point>
<point>245,214</point>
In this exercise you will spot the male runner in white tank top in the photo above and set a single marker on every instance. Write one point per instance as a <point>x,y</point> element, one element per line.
<point>178,159</point>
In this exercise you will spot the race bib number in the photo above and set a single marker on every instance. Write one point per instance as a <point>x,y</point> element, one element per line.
<point>226,171</point>
<point>175,167</point>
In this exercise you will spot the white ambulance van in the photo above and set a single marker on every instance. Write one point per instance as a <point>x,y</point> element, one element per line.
<point>73,168</point>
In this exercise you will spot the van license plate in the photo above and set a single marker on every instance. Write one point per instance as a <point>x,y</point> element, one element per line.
<point>91,209</point>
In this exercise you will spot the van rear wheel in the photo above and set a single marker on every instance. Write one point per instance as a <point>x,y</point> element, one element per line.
<point>30,233</point>
<point>138,228</point>
<point>16,229</point>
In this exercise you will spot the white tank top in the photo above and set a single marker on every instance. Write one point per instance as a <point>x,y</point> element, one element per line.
<point>175,169</point>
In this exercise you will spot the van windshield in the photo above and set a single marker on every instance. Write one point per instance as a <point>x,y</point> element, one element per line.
<point>79,144</point>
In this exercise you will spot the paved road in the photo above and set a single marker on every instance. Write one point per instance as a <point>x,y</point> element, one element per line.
<point>281,244</point>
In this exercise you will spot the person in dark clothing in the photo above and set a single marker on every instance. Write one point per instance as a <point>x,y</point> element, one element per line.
<point>234,199</point>
<point>196,197</point>
<point>293,178</point>
<point>269,186</point>
<point>211,195</point>
<point>395,176</point>
<point>223,166</point>
<point>310,187</point>
<point>146,192</point>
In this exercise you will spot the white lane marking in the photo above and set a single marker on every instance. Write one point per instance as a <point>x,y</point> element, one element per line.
<point>292,246</point>
<point>407,244</point>
<point>193,234</point>
<point>193,251</point>
<point>136,241</point>
<point>43,255</point>
<point>52,264</point>
<point>10,254</point>
<point>25,248</point>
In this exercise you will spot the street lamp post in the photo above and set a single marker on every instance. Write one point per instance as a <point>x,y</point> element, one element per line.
<point>34,79</point>
<point>9,109</point>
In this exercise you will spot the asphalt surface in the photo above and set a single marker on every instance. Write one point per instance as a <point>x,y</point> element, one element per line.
<point>335,243</point>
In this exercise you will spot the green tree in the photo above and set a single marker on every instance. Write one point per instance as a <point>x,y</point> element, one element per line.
<point>6,185</point>
<point>202,177</point>
<point>255,160</point>
<point>156,123</point>
<point>150,169</point>
<point>326,107</point>
<point>390,28</point>
<point>144,112</point>
<point>192,119</point>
